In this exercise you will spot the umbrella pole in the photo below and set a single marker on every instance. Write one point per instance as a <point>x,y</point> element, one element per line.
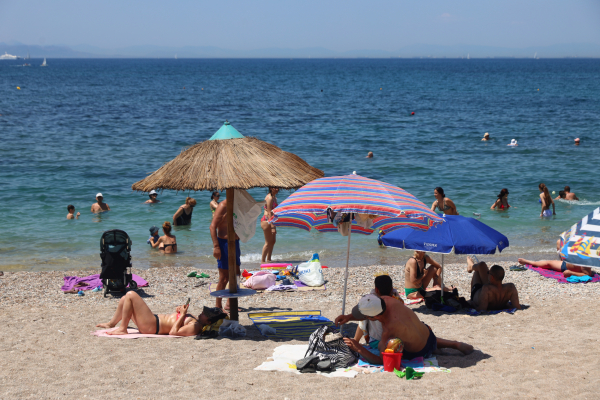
<point>442,278</point>
<point>233,302</point>
<point>346,274</point>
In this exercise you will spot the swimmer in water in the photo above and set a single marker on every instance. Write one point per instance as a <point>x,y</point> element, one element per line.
<point>100,206</point>
<point>444,204</point>
<point>153,195</point>
<point>71,214</point>
<point>502,201</point>
<point>214,201</point>
<point>369,155</point>
<point>486,137</point>
<point>546,201</point>
<point>561,195</point>
<point>513,143</point>
<point>570,196</point>
<point>577,142</point>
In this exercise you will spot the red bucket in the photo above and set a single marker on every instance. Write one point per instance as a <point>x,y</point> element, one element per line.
<point>391,361</point>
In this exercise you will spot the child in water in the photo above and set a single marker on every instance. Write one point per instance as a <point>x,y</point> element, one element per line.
<point>153,235</point>
<point>71,214</point>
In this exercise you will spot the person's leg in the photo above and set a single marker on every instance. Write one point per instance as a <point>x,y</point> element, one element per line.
<point>429,275</point>
<point>223,279</point>
<point>554,265</point>
<point>116,317</point>
<point>452,344</point>
<point>227,305</point>
<point>135,308</point>
<point>266,227</point>
<point>271,243</point>
<point>358,334</point>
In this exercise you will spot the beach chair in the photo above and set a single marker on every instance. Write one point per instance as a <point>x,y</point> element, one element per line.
<point>115,252</point>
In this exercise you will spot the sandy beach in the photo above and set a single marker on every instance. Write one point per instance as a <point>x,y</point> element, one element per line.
<point>549,350</point>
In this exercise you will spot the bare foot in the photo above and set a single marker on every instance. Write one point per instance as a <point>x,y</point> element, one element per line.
<point>465,348</point>
<point>106,325</point>
<point>469,265</point>
<point>523,261</point>
<point>118,331</point>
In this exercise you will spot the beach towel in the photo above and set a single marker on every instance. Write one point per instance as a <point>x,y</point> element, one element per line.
<point>290,324</point>
<point>93,281</point>
<point>408,302</point>
<point>548,273</point>
<point>300,287</point>
<point>419,364</point>
<point>285,357</point>
<point>472,311</point>
<point>131,334</point>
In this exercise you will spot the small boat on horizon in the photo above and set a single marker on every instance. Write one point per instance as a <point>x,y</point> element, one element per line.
<point>44,63</point>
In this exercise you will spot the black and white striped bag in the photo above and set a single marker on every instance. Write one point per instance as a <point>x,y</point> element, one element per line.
<point>329,345</point>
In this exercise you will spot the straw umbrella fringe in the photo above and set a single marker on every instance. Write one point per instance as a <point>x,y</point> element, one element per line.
<point>231,164</point>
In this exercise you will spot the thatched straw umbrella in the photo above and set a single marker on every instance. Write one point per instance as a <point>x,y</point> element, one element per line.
<point>229,161</point>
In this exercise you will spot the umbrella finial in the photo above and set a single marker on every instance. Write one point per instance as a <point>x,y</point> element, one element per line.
<point>226,132</point>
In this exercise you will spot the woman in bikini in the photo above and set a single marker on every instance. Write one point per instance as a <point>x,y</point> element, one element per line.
<point>502,202</point>
<point>167,243</point>
<point>566,268</point>
<point>546,201</point>
<point>214,202</point>
<point>183,216</point>
<point>417,275</point>
<point>444,204</point>
<point>268,229</point>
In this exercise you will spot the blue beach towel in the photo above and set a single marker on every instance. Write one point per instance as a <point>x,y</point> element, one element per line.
<point>579,279</point>
<point>290,324</point>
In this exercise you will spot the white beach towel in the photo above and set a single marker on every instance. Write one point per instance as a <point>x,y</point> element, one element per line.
<point>245,213</point>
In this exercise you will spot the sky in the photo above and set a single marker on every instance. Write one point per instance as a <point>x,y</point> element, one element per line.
<point>335,25</point>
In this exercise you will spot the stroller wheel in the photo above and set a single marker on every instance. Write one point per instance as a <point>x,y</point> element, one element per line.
<point>133,285</point>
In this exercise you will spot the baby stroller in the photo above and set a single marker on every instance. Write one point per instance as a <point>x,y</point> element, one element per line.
<point>115,252</point>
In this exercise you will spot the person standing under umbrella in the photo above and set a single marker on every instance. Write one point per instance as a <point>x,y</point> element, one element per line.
<point>444,204</point>
<point>269,230</point>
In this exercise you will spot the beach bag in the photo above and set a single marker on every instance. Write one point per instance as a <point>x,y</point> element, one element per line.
<point>329,346</point>
<point>311,273</point>
<point>261,280</point>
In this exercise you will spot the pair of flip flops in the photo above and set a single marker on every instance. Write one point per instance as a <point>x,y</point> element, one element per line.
<point>518,268</point>
<point>195,274</point>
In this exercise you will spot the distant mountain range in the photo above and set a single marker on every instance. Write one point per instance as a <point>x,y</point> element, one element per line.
<point>584,50</point>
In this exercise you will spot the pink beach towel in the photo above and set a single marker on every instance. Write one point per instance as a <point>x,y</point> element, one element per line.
<point>93,281</point>
<point>131,334</point>
<point>548,273</point>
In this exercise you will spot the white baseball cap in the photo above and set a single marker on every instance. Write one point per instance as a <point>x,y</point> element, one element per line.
<point>514,141</point>
<point>152,192</point>
<point>368,306</point>
<point>99,195</point>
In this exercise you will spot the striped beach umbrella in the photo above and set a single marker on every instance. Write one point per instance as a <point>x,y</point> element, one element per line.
<point>580,245</point>
<point>392,207</point>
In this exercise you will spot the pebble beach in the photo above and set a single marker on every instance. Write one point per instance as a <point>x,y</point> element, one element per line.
<point>48,352</point>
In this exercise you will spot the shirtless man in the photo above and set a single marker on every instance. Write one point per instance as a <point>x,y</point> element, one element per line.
<point>100,206</point>
<point>487,290</point>
<point>569,195</point>
<point>400,322</point>
<point>218,233</point>
<point>417,276</point>
<point>566,268</point>
<point>132,307</point>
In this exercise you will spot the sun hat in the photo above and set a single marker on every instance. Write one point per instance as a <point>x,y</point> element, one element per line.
<point>99,195</point>
<point>368,306</point>
<point>153,229</point>
<point>152,192</point>
<point>486,134</point>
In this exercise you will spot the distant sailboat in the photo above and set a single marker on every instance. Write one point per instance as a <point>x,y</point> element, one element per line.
<point>176,56</point>
<point>27,58</point>
<point>468,56</point>
<point>535,57</point>
<point>44,63</point>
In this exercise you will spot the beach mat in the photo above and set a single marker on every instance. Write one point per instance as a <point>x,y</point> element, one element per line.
<point>301,287</point>
<point>92,282</point>
<point>131,334</point>
<point>558,276</point>
<point>290,324</point>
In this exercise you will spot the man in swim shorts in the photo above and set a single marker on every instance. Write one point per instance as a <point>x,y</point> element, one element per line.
<point>566,268</point>
<point>400,322</point>
<point>487,290</point>
<point>180,323</point>
<point>218,233</point>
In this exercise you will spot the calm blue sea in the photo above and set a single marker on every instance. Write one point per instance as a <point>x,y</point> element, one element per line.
<point>78,127</point>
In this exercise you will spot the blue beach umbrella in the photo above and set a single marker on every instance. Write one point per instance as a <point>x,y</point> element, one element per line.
<point>460,234</point>
<point>581,243</point>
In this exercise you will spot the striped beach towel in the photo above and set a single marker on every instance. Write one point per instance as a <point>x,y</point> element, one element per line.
<point>290,324</point>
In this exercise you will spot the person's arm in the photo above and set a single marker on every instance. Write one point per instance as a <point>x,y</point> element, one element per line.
<point>107,207</point>
<point>553,210</point>
<point>158,241</point>
<point>216,221</point>
<point>494,205</point>
<point>433,263</point>
<point>179,329</point>
<point>543,204</point>
<point>344,319</point>
<point>433,205</point>
<point>92,208</point>
<point>77,215</point>
<point>360,349</point>
<point>514,297</point>
<point>177,214</point>
<point>575,197</point>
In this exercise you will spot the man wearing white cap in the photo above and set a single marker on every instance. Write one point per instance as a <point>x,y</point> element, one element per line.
<point>153,197</point>
<point>400,322</point>
<point>513,143</point>
<point>100,206</point>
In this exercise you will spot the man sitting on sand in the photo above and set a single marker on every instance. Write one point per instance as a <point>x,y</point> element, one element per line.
<point>417,275</point>
<point>100,206</point>
<point>487,290</point>
<point>132,307</point>
<point>566,268</point>
<point>400,322</point>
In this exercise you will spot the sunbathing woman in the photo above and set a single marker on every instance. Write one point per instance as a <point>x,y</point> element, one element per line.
<point>132,307</point>
<point>566,268</point>
<point>166,243</point>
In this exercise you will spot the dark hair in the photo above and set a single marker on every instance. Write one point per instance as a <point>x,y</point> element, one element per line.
<point>562,194</point>
<point>384,284</point>
<point>547,197</point>
<point>215,194</point>
<point>70,207</point>
<point>167,227</point>
<point>440,191</point>
<point>502,193</point>
<point>567,189</point>
<point>497,272</point>
<point>271,190</point>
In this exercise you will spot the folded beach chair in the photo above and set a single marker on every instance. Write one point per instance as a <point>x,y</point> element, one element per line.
<point>115,252</point>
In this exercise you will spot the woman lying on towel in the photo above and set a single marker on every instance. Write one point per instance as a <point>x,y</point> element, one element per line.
<point>132,307</point>
<point>566,268</point>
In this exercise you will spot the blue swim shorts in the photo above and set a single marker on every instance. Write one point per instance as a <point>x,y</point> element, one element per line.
<point>223,263</point>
